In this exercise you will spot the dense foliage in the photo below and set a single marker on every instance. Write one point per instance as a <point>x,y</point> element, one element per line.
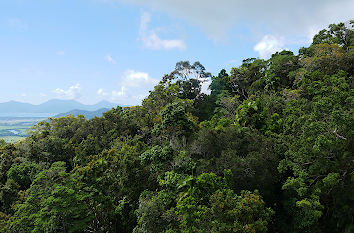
<point>270,149</point>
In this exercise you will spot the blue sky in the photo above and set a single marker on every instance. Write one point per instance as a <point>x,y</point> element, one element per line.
<point>117,50</point>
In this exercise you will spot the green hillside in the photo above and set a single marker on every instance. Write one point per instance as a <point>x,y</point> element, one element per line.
<point>270,149</point>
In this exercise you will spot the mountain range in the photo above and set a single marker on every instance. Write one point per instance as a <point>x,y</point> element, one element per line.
<point>87,114</point>
<point>52,106</point>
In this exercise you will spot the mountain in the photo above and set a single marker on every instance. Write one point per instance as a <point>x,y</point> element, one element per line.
<point>52,106</point>
<point>87,114</point>
<point>104,104</point>
<point>57,105</point>
<point>14,106</point>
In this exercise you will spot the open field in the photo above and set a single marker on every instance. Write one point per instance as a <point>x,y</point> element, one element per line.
<point>13,129</point>
<point>11,139</point>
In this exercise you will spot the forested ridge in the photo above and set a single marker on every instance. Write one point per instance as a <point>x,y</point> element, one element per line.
<point>270,149</point>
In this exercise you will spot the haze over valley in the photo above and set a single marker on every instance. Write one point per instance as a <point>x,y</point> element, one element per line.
<point>16,118</point>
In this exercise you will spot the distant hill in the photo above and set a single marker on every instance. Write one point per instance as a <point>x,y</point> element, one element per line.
<point>87,114</point>
<point>52,106</point>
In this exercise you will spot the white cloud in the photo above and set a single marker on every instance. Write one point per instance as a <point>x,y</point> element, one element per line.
<point>205,87</point>
<point>18,24</point>
<point>74,92</point>
<point>151,40</point>
<point>139,98</point>
<point>102,93</point>
<point>110,59</point>
<point>132,88</point>
<point>268,45</point>
<point>42,95</point>
<point>61,53</point>
<point>118,94</point>
<point>286,18</point>
<point>136,79</point>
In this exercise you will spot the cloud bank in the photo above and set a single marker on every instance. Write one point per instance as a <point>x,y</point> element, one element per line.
<point>101,92</point>
<point>280,17</point>
<point>74,92</point>
<point>150,38</point>
<point>133,87</point>
<point>268,45</point>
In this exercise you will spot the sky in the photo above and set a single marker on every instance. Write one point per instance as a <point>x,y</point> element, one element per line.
<point>118,50</point>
